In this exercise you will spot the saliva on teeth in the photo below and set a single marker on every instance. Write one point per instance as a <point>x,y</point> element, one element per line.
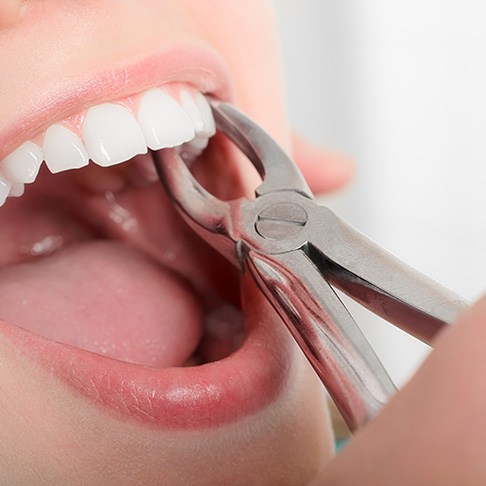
<point>110,133</point>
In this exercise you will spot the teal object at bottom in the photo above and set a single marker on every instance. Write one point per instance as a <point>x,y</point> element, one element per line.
<point>340,443</point>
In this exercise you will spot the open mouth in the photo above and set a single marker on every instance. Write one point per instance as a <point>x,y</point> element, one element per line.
<point>102,282</point>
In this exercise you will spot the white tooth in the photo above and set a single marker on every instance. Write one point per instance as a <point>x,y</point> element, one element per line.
<point>209,127</point>
<point>163,121</point>
<point>189,105</point>
<point>17,190</point>
<point>63,149</point>
<point>112,135</point>
<point>5,186</point>
<point>199,143</point>
<point>192,149</point>
<point>23,164</point>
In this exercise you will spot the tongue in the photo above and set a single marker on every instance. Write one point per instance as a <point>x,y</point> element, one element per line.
<point>108,298</point>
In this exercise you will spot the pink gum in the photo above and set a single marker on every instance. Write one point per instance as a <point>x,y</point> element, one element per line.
<point>75,122</point>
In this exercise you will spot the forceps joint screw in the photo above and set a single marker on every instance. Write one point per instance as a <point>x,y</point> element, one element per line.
<point>280,220</point>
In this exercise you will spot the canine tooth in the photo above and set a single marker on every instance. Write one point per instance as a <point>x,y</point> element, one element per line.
<point>112,135</point>
<point>197,107</point>
<point>23,164</point>
<point>209,127</point>
<point>189,105</point>
<point>17,190</point>
<point>199,143</point>
<point>63,149</point>
<point>163,121</point>
<point>5,186</point>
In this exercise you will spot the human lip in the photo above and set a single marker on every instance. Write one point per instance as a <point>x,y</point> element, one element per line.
<point>195,63</point>
<point>197,397</point>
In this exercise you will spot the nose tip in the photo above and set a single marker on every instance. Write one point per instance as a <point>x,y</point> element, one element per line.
<point>10,11</point>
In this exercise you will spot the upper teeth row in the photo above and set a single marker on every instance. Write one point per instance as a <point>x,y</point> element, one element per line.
<point>111,133</point>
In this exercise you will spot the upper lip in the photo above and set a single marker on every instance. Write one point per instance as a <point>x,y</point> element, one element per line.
<point>197,64</point>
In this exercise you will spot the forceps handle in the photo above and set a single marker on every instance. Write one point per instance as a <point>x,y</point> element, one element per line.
<point>383,283</point>
<point>294,270</point>
<point>326,333</point>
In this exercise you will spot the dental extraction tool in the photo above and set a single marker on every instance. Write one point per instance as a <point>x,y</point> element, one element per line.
<point>296,250</point>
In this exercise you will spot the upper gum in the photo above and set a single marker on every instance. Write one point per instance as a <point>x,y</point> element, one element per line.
<point>75,121</point>
<point>192,61</point>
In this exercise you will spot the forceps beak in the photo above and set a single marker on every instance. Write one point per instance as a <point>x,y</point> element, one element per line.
<point>219,222</point>
<point>277,170</point>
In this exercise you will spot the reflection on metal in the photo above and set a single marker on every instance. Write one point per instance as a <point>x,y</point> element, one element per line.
<point>297,250</point>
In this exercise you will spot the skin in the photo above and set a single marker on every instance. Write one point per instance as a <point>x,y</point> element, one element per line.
<point>51,434</point>
<point>432,432</point>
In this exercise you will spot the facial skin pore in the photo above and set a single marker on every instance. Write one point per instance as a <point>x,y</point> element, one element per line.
<point>61,56</point>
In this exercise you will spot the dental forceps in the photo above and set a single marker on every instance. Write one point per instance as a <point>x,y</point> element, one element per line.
<point>297,251</point>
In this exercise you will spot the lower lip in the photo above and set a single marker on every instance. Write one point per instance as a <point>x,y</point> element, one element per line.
<point>173,398</point>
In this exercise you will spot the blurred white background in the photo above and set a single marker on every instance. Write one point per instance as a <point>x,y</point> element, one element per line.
<point>400,85</point>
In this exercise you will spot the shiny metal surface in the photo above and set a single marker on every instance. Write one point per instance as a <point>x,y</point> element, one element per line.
<point>297,250</point>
